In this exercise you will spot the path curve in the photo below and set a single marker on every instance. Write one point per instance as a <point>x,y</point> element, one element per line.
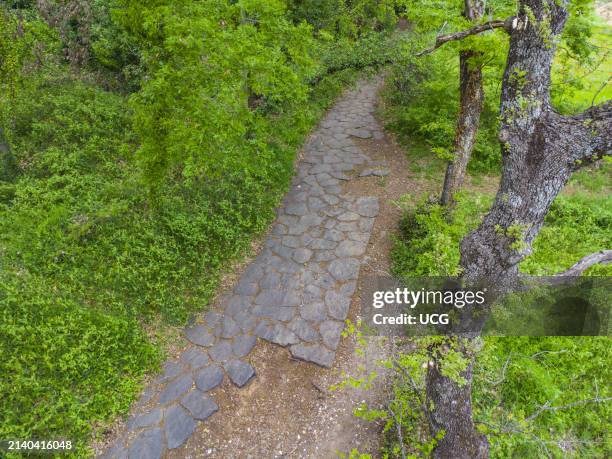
<point>296,293</point>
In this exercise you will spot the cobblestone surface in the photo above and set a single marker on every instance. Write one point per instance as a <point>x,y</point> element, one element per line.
<point>296,293</point>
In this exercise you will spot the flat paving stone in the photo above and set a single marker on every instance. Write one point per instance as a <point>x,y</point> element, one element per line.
<point>176,388</point>
<point>344,269</point>
<point>209,378</point>
<point>331,331</point>
<point>367,207</point>
<point>178,426</point>
<point>148,419</point>
<point>200,335</point>
<point>170,370</point>
<point>195,358</point>
<point>368,172</point>
<point>351,248</point>
<point>315,311</point>
<point>200,405</point>
<point>315,353</point>
<point>337,304</point>
<point>243,344</point>
<point>148,445</point>
<point>239,372</point>
<point>221,351</point>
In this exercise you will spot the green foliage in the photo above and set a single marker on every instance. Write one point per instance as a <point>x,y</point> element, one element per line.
<point>428,244</point>
<point>209,126</point>
<point>423,102</point>
<point>576,225</point>
<point>518,380</point>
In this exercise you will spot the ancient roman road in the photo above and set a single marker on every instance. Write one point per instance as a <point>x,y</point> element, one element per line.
<point>296,293</point>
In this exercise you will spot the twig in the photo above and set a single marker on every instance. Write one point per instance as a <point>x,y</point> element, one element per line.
<point>398,424</point>
<point>489,25</point>
<point>547,407</point>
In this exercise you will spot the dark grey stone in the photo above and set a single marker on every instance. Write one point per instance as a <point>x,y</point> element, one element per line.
<point>302,255</point>
<point>279,229</point>
<point>348,226</point>
<point>310,220</point>
<point>238,303</point>
<point>270,281</point>
<point>344,269</point>
<point>366,224</point>
<point>313,311</point>
<point>325,281</point>
<point>148,445</point>
<point>213,318</point>
<point>245,288</point>
<point>367,207</point>
<point>303,329</point>
<point>322,244</point>
<point>245,320</point>
<point>253,273</point>
<point>325,255</point>
<point>148,419</point>
<point>315,353</point>
<point>348,216</point>
<point>195,358</point>
<point>208,378</point>
<point>145,396</point>
<point>292,241</point>
<point>348,289</point>
<point>178,425</point>
<point>200,405</point>
<point>350,249</point>
<point>176,388</point>
<point>298,209</point>
<point>358,236</point>
<point>281,313</point>
<point>331,332</point>
<point>264,330</point>
<point>315,203</point>
<point>170,370</point>
<point>243,344</point>
<point>331,199</point>
<point>333,211</point>
<point>239,372</point>
<point>230,328</point>
<point>200,335</point>
<point>221,351</point>
<point>337,304</point>
<point>116,451</point>
<point>312,293</point>
<point>270,298</point>
<point>282,336</point>
<point>374,172</point>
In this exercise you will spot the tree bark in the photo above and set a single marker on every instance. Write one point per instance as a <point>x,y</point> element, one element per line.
<point>468,120</point>
<point>540,151</point>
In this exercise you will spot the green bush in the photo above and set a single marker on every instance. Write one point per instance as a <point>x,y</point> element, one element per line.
<point>101,233</point>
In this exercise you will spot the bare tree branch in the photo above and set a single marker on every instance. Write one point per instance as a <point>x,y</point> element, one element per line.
<point>489,25</point>
<point>603,256</point>
<point>547,407</point>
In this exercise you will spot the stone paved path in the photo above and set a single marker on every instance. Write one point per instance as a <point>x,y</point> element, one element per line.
<point>296,293</point>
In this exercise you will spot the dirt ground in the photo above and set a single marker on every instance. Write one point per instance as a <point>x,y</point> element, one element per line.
<point>289,410</point>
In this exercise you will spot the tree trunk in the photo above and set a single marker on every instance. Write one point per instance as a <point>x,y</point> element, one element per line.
<point>470,107</point>
<point>540,151</point>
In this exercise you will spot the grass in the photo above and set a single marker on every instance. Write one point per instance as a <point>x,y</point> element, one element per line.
<point>92,277</point>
